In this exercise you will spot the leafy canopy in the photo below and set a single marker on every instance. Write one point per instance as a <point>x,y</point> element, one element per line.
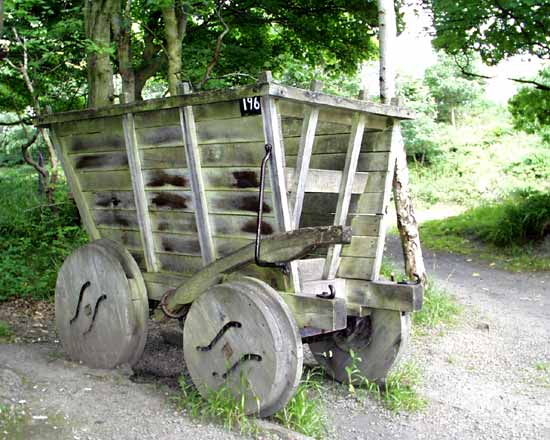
<point>495,29</point>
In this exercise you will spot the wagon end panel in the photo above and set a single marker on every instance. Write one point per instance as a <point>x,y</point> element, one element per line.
<point>369,185</point>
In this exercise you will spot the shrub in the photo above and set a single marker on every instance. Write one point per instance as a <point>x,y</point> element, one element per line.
<point>36,238</point>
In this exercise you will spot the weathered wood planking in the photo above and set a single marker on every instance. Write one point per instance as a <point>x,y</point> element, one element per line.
<point>292,109</point>
<point>72,179</point>
<point>100,161</point>
<point>375,161</point>
<point>110,200</point>
<point>354,267</point>
<point>183,264</point>
<point>325,203</point>
<point>325,181</point>
<point>126,219</point>
<point>362,225</point>
<point>92,133</point>
<point>128,237</point>
<point>105,180</point>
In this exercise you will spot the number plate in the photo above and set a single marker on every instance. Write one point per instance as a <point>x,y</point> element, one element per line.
<point>250,106</point>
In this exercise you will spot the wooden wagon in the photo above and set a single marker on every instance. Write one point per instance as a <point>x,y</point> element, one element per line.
<point>257,212</point>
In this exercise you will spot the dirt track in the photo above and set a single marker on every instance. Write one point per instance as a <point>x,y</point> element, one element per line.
<point>479,378</point>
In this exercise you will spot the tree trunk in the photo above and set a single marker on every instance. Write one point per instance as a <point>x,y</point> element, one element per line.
<point>406,221</point>
<point>122,33</point>
<point>173,47</point>
<point>97,18</point>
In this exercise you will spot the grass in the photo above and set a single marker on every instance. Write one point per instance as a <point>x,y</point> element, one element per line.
<point>398,393</point>
<point>543,372</point>
<point>303,413</point>
<point>505,233</point>
<point>439,308</point>
<point>14,420</point>
<point>5,330</point>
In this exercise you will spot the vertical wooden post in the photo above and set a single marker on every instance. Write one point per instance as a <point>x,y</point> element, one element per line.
<point>307,137</point>
<point>346,186</point>
<point>406,221</point>
<point>273,135</point>
<point>189,133</point>
<point>142,208</point>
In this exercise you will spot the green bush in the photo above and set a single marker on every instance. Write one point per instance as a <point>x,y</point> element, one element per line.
<point>522,218</point>
<point>532,166</point>
<point>36,238</point>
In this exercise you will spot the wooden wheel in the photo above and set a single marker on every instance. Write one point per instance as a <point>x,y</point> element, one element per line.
<point>101,306</point>
<point>376,341</point>
<point>241,334</point>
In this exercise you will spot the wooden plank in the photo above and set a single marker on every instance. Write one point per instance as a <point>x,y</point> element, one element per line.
<point>311,269</point>
<point>375,161</point>
<point>183,264</point>
<point>337,143</point>
<point>307,137</point>
<point>76,189</point>
<point>105,132</point>
<point>110,200</point>
<point>242,129</point>
<point>273,137</point>
<point>362,225</point>
<point>129,238</point>
<point>189,132</point>
<point>111,140</point>
<point>309,311</point>
<point>105,180</point>
<point>384,295</point>
<point>126,219</point>
<point>361,247</point>
<point>167,178</point>
<point>140,198</point>
<point>318,287</point>
<point>324,181</point>
<point>345,192</point>
<point>173,221</point>
<point>180,244</point>
<point>159,137</point>
<point>169,279</point>
<point>371,203</point>
<point>100,161</point>
<point>359,268</point>
<point>211,96</point>
<point>232,154</point>
<point>160,158</point>
<point>155,117</point>
<point>292,127</point>
<point>218,110</point>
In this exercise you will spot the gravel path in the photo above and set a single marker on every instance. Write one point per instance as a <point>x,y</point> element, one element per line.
<point>480,378</point>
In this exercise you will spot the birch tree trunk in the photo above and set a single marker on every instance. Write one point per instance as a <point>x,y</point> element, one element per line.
<point>121,26</point>
<point>175,25</point>
<point>406,221</point>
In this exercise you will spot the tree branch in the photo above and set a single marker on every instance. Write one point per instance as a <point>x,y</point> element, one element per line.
<point>28,158</point>
<point>217,51</point>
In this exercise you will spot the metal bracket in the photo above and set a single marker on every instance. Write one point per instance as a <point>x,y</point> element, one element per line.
<point>257,250</point>
<point>415,282</point>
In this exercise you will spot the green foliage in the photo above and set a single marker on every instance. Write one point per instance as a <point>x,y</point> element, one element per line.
<point>530,107</point>
<point>305,413</point>
<point>398,393</point>
<point>496,30</point>
<point>5,330</point>
<point>35,238</point>
<point>439,308</point>
<point>449,87</point>
<point>14,420</point>
<point>533,166</point>
<point>219,405</point>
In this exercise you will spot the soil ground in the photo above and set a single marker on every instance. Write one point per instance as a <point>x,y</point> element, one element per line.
<point>480,377</point>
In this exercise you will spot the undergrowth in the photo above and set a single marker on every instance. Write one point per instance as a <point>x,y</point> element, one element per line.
<point>36,238</point>
<point>506,232</point>
<point>5,330</point>
<point>399,391</point>
<point>303,413</point>
<point>13,422</point>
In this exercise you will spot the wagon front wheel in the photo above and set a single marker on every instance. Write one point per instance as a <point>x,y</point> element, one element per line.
<point>242,336</point>
<point>101,306</point>
<point>367,348</point>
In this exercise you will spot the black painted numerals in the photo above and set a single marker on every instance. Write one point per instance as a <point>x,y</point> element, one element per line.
<point>250,106</point>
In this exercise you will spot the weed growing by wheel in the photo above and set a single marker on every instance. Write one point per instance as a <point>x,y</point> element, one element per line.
<point>13,422</point>
<point>304,413</point>
<point>398,393</point>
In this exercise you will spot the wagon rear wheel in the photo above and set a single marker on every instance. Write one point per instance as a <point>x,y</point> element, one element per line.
<point>241,335</point>
<point>101,306</point>
<point>376,342</point>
